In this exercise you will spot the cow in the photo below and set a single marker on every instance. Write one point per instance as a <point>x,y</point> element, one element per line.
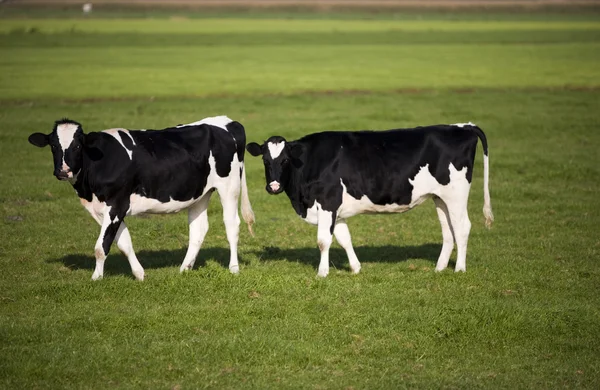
<point>120,172</point>
<point>331,176</point>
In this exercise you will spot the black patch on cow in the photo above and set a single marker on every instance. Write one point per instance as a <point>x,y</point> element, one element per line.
<point>239,134</point>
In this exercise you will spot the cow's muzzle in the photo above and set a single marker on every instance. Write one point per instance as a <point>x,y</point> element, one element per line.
<point>63,175</point>
<point>274,188</point>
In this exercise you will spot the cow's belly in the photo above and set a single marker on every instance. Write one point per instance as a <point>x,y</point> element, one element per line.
<point>140,204</point>
<point>424,187</point>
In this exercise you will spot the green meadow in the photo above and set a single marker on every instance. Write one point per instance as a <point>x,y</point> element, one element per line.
<point>525,315</point>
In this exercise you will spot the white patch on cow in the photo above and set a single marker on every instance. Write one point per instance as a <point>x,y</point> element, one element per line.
<point>312,215</point>
<point>139,204</point>
<point>115,133</point>
<point>95,208</point>
<point>275,148</point>
<point>220,121</point>
<point>458,188</point>
<point>464,124</point>
<point>65,133</point>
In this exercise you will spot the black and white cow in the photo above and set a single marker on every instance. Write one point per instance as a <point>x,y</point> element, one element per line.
<point>121,172</point>
<point>331,176</point>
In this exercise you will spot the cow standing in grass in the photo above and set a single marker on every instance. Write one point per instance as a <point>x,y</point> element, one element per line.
<point>121,172</point>
<point>331,176</point>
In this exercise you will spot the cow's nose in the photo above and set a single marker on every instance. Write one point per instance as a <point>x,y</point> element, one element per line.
<point>61,175</point>
<point>274,186</point>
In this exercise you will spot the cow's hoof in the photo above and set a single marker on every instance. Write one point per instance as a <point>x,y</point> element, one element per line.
<point>355,270</point>
<point>460,270</point>
<point>96,276</point>
<point>139,275</point>
<point>234,269</point>
<point>322,274</point>
<point>185,268</point>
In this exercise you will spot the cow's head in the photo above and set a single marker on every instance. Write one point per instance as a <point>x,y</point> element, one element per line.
<point>66,142</point>
<point>279,157</point>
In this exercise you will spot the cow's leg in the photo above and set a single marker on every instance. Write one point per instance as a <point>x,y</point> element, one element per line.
<point>198,221</point>
<point>324,239</point>
<point>447,234</point>
<point>108,232</point>
<point>461,226</point>
<point>229,201</point>
<point>342,235</point>
<point>125,245</point>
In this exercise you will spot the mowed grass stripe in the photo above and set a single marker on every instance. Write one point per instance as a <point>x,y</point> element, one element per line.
<point>31,37</point>
<point>165,71</point>
<point>217,26</point>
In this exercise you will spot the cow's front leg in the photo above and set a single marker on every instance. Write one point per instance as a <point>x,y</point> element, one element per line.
<point>324,239</point>
<point>125,245</point>
<point>108,232</point>
<point>342,235</point>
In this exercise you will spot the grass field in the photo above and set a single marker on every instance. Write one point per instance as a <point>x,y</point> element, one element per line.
<point>525,315</point>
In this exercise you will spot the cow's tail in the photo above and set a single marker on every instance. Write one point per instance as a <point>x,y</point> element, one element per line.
<point>247,212</point>
<point>487,205</point>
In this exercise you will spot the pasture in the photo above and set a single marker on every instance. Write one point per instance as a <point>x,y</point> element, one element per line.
<point>526,314</point>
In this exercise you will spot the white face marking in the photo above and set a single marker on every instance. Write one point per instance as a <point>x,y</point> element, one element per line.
<point>117,136</point>
<point>66,133</point>
<point>220,121</point>
<point>464,124</point>
<point>275,149</point>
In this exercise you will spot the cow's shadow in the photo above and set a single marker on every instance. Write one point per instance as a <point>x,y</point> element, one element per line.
<point>117,264</point>
<point>338,257</point>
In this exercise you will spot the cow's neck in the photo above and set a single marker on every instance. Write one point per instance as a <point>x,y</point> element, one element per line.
<point>293,190</point>
<point>80,184</point>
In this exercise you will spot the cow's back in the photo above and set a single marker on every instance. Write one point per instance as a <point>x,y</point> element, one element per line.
<point>380,164</point>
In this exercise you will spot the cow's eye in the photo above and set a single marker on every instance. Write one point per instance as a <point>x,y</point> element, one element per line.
<point>285,161</point>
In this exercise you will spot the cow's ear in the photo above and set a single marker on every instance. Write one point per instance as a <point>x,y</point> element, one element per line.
<point>90,146</point>
<point>296,150</point>
<point>38,139</point>
<point>254,149</point>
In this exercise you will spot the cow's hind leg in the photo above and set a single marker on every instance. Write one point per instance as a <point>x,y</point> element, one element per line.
<point>447,234</point>
<point>198,221</point>
<point>125,245</point>
<point>342,235</point>
<point>461,227</point>
<point>324,239</point>
<point>229,201</point>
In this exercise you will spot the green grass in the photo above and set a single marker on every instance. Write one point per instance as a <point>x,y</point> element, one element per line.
<point>525,315</point>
